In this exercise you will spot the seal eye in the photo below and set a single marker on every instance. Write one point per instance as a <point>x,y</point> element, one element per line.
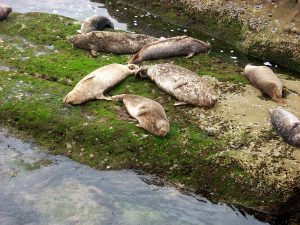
<point>72,39</point>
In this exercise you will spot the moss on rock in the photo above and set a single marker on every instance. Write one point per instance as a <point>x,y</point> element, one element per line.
<point>44,69</point>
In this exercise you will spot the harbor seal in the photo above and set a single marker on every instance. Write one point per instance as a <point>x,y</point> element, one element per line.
<point>150,114</point>
<point>170,47</point>
<point>264,79</point>
<point>5,10</point>
<point>287,125</point>
<point>95,23</point>
<point>112,42</point>
<point>96,83</point>
<point>182,83</point>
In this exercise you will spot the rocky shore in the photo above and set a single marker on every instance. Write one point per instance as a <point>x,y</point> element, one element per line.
<point>229,153</point>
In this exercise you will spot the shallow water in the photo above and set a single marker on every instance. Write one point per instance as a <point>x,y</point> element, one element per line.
<point>37,188</point>
<point>76,9</point>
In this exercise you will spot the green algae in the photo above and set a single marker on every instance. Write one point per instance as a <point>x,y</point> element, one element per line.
<point>94,133</point>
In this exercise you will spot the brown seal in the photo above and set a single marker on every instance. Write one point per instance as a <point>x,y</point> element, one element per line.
<point>265,79</point>
<point>287,125</point>
<point>182,83</point>
<point>150,114</point>
<point>5,10</point>
<point>95,23</point>
<point>96,83</point>
<point>112,42</point>
<point>170,47</point>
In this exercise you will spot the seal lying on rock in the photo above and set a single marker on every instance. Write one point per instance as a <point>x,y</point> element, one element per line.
<point>95,23</point>
<point>170,47</point>
<point>264,79</point>
<point>287,125</point>
<point>112,42</point>
<point>182,83</point>
<point>5,10</point>
<point>150,114</point>
<point>96,83</point>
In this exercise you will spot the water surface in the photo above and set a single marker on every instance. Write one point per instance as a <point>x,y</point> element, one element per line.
<point>38,188</point>
<point>76,9</point>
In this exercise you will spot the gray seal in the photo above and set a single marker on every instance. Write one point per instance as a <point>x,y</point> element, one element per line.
<point>96,83</point>
<point>287,125</point>
<point>266,80</point>
<point>182,83</point>
<point>95,23</point>
<point>150,114</point>
<point>5,10</point>
<point>111,42</point>
<point>171,47</point>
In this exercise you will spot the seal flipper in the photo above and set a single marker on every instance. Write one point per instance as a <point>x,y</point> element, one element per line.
<point>190,55</point>
<point>179,84</point>
<point>94,53</point>
<point>143,109</point>
<point>180,103</point>
<point>139,125</point>
<point>102,97</point>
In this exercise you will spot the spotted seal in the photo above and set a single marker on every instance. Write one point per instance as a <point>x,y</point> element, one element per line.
<point>96,83</point>
<point>112,42</point>
<point>287,125</point>
<point>150,114</point>
<point>95,23</point>
<point>5,10</point>
<point>170,47</point>
<point>182,83</point>
<point>265,79</point>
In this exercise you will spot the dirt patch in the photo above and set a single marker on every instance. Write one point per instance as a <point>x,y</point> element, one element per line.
<point>242,117</point>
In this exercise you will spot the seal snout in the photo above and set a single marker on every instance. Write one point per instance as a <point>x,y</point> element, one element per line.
<point>142,72</point>
<point>163,127</point>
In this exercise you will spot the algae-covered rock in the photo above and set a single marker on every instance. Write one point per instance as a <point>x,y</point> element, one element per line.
<point>230,150</point>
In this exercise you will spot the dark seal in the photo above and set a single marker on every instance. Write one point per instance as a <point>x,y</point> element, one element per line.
<point>5,10</point>
<point>95,23</point>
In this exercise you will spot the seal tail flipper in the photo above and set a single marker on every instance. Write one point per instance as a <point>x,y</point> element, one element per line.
<point>180,103</point>
<point>103,97</point>
<point>118,97</point>
<point>135,59</point>
<point>190,55</point>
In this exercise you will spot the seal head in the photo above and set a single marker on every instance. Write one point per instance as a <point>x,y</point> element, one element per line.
<point>96,23</point>
<point>5,10</point>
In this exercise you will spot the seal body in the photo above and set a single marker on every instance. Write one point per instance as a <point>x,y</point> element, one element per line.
<point>150,114</point>
<point>95,23</point>
<point>5,10</point>
<point>287,125</point>
<point>170,47</point>
<point>96,83</point>
<point>264,79</point>
<point>182,83</point>
<point>112,42</point>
